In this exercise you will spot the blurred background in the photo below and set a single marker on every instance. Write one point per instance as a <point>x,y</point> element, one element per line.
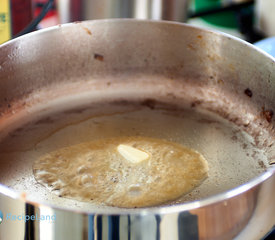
<point>251,20</point>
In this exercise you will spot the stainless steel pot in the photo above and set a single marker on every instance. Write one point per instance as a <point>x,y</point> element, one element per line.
<point>149,64</point>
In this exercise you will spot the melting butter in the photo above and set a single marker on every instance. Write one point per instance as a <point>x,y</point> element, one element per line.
<point>122,171</point>
<point>132,154</point>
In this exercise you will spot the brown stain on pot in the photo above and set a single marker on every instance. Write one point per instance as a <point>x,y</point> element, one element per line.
<point>261,164</point>
<point>47,120</point>
<point>267,114</point>
<point>151,103</point>
<point>98,57</point>
<point>87,30</point>
<point>248,92</point>
<point>196,103</point>
<point>191,47</point>
<point>220,81</point>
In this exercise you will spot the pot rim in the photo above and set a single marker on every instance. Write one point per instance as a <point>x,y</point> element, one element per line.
<point>148,21</point>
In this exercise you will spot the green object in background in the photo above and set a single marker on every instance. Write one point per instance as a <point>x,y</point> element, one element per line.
<point>225,19</point>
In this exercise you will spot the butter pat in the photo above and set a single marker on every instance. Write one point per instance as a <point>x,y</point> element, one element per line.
<point>132,154</point>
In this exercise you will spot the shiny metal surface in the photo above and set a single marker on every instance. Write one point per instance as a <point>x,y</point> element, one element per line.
<point>174,10</point>
<point>173,62</point>
<point>232,217</point>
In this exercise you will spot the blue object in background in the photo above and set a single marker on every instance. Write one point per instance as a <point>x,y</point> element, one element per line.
<point>268,45</point>
<point>1,217</point>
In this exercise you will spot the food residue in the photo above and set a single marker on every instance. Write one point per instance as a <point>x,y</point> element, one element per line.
<point>98,57</point>
<point>268,114</point>
<point>248,92</point>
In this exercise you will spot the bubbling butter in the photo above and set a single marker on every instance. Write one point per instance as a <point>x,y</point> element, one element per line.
<point>123,171</point>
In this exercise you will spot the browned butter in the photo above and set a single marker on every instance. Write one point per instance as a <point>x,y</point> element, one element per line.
<point>96,172</point>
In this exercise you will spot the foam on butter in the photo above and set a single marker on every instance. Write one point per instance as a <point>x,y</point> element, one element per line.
<point>123,171</point>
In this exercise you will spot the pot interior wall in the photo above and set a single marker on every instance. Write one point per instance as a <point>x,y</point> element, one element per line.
<point>232,154</point>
